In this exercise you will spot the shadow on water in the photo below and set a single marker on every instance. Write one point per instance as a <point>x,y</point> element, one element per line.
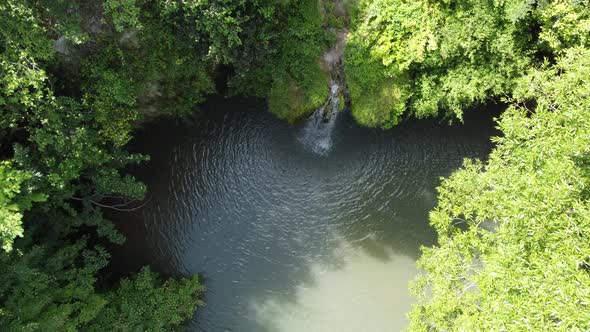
<point>277,230</point>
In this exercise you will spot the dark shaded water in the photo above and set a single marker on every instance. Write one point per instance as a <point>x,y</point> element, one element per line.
<point>287,239</point>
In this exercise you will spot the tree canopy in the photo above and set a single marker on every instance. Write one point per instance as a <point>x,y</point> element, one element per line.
<point>76,78</point>
<point>433,57</point>
<point>513,249</point>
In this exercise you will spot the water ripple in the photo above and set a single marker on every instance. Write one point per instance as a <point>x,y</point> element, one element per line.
<point>242,200</point>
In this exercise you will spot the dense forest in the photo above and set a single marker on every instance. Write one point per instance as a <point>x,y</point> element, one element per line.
<point>77,77</point>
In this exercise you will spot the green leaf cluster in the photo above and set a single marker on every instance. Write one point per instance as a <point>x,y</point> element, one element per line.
<point>14,200</point>
<point>66,113</point>
<point>428,57</point>
<point>288,70</point>
<point>299,84</point>
<point>57,289</point>
<point>76,78</point>
<point>514,249</point>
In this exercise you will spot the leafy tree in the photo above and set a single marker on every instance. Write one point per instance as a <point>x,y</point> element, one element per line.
<point>564,24</point>
<point>145,303</point>
<point>513,249</point>
<point>62,154</point>
<point>14,200</point>
<point>123,13</point>
<point>46,290</point>
<point>299,85</point>
<point>55,289</point>
<point>76,77</point>
<point>420,57</point>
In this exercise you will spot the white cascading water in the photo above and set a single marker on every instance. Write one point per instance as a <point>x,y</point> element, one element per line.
<point>317,133</point>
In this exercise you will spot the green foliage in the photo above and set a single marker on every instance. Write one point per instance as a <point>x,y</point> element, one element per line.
<point>291,75</point>
<point>217,24</point>
<point>513,249</point>
<point>64,119</point>
<point>141,71</point>
<point>145,303</point>
<point>377,100</point>
<point>22,32</point>
<point>22,43</point>
<point>160,59</point>
<point>47,289</point>
<point>565,24</point>
<point>297,62</point>
<point>50,292</point>
<point>75,79</point>
<point>436,55</point>
<point>14,200</point>
<point>292,100</point>
<point>114,94</point>
<point>124,14</point>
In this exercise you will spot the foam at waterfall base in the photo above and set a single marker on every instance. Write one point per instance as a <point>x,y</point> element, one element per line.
<point>318,131</point>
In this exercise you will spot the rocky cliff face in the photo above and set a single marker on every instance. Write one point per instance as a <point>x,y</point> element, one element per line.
<point>332,61</point>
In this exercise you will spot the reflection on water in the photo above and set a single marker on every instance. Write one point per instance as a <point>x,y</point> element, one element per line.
<point>360,293</point>
<point>236,197</point>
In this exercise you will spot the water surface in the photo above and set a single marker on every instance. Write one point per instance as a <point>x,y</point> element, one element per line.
<point>288,237</point>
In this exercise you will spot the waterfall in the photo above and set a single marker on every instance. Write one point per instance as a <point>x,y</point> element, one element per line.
<point>317,133</point>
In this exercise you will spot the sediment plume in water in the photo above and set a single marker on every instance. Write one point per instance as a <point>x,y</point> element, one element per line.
<point>361,293</point>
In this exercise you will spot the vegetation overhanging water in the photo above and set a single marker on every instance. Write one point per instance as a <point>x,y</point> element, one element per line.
<point>285,232</point>
<point>77,78</point>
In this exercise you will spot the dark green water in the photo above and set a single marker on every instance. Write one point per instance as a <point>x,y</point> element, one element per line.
<point>313,227</point>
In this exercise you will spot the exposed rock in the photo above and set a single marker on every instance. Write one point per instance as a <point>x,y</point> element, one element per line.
<point>340,10</point>
<point>489,225</point>
<point>129,39</point>
<point>64,46</point>
<point>149,98</point>
<point>331,62</point>
<point>150,92</point>
<point>333,58</point>
<point>94,25</point>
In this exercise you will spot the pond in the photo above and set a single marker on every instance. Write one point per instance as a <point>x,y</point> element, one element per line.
<point>313,227</point>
